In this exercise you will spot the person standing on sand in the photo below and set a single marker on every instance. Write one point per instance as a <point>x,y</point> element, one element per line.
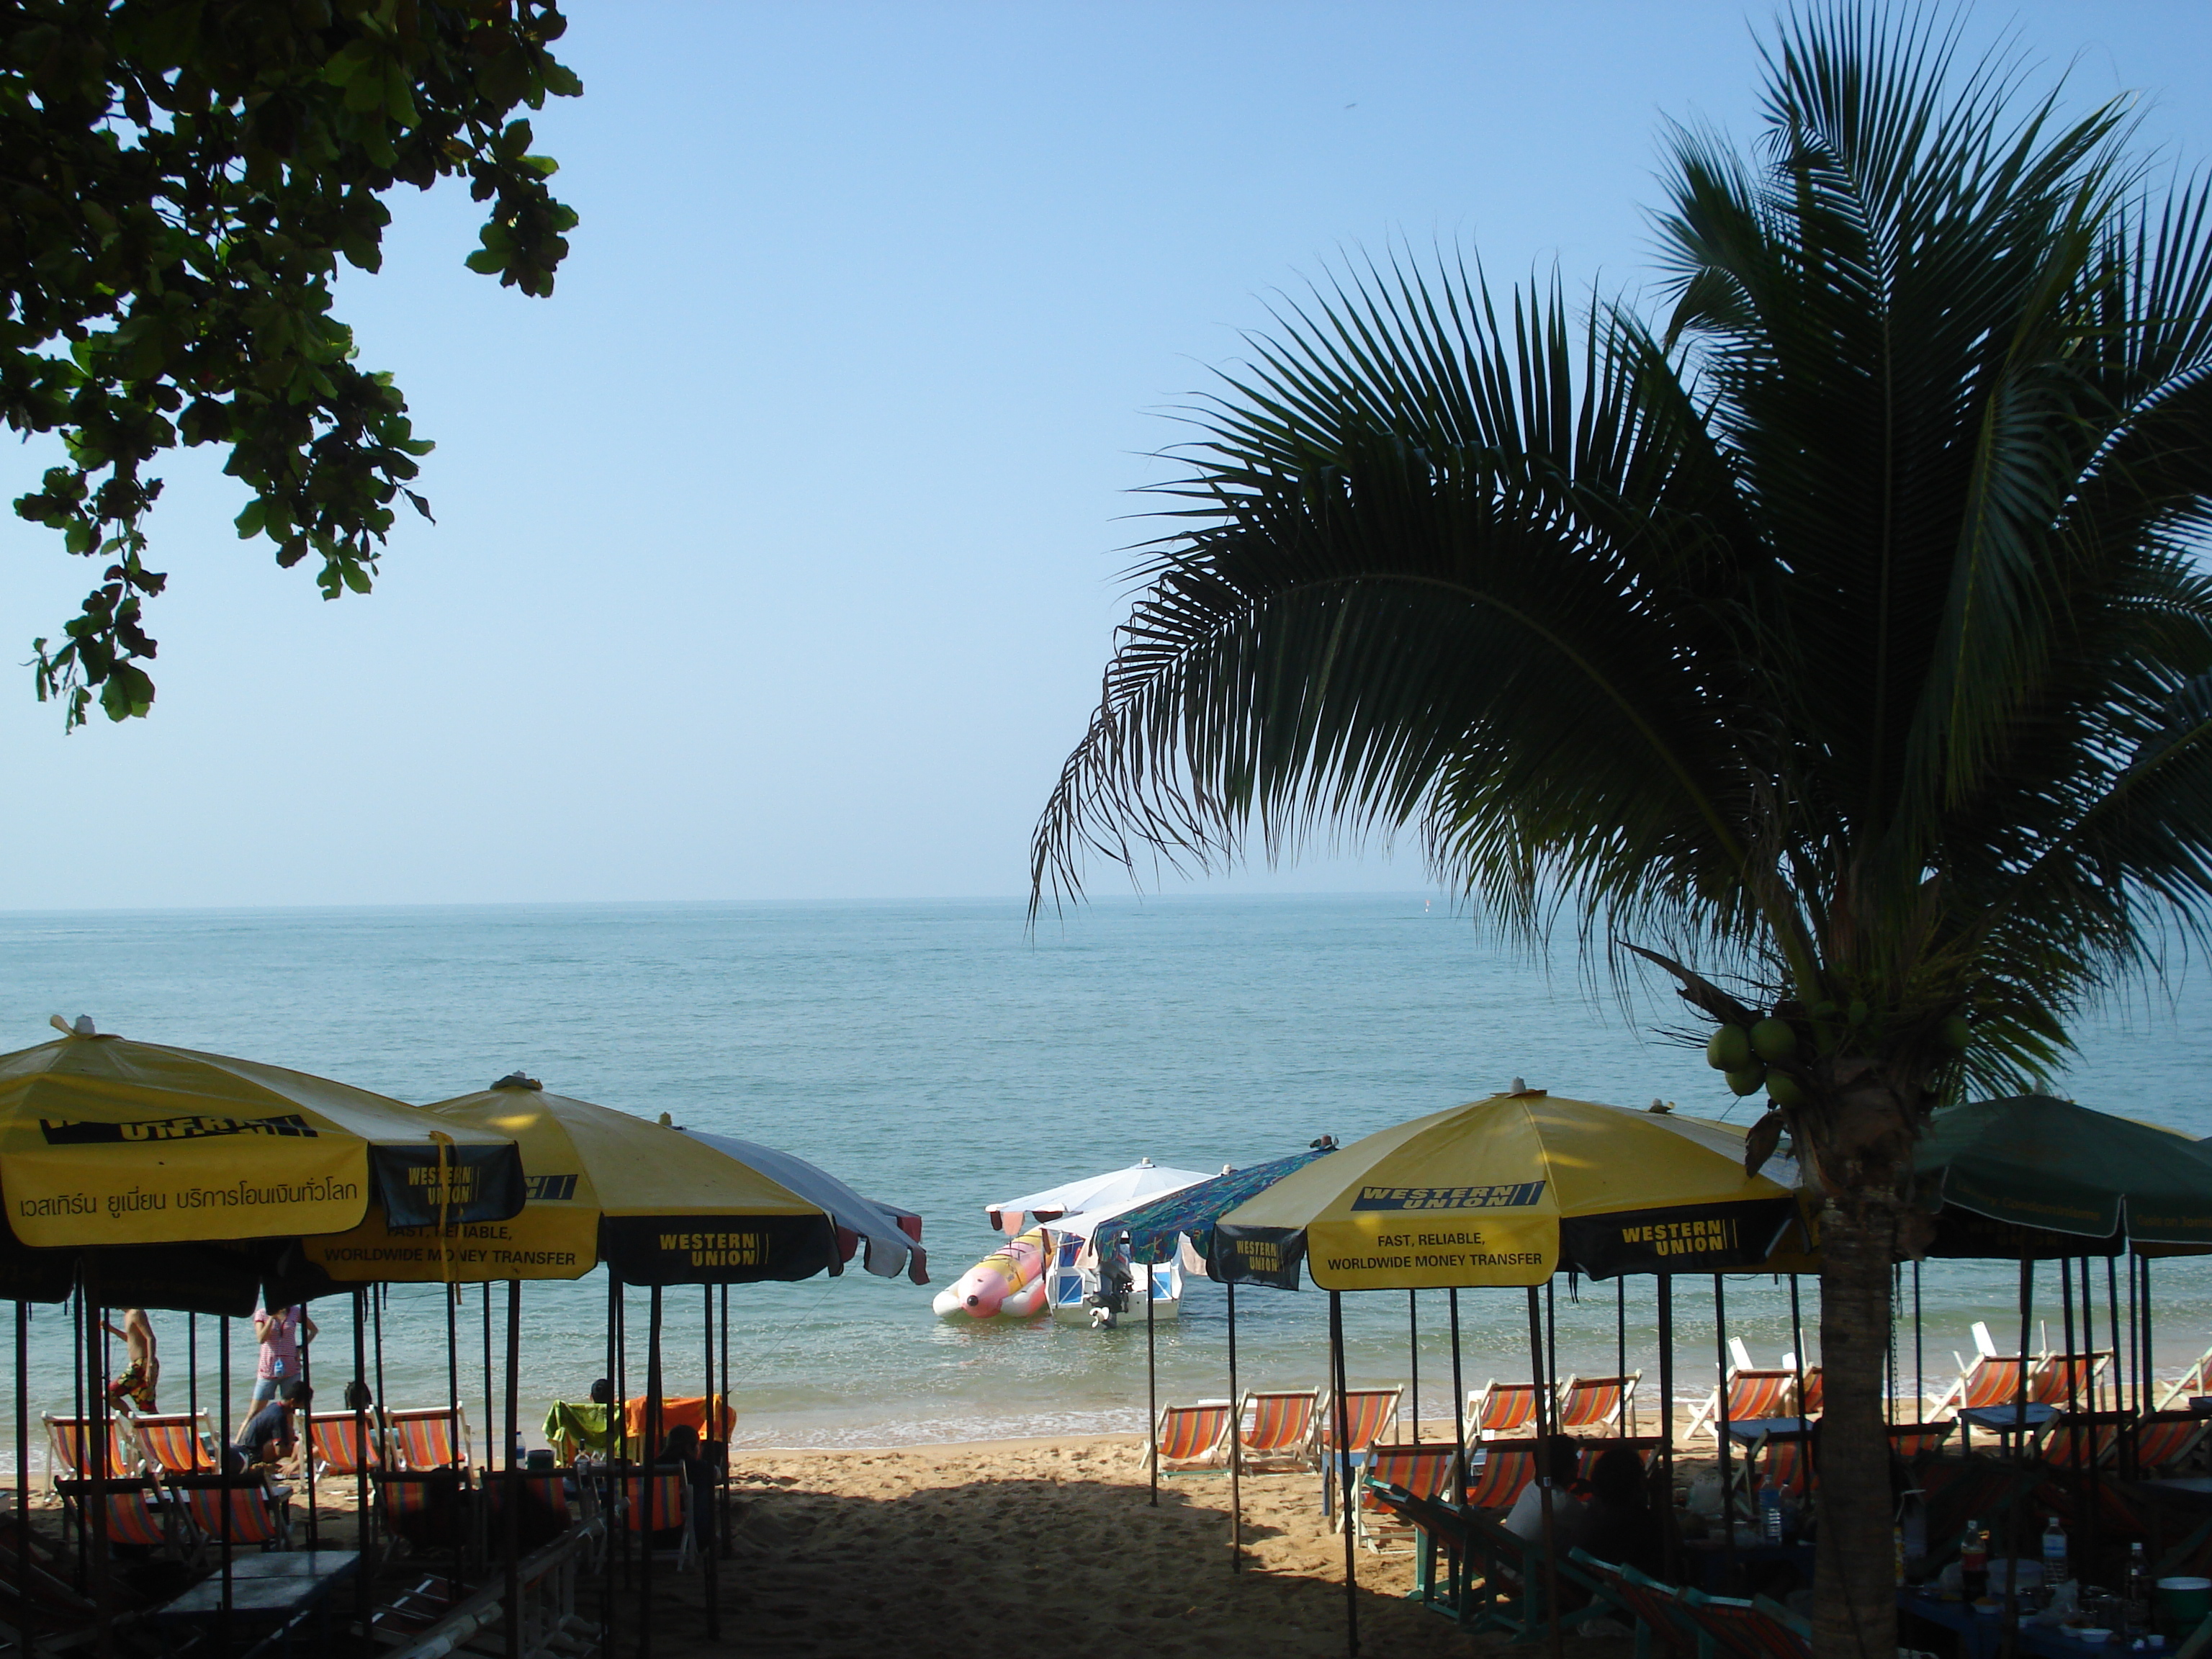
<point>280,1336</point>
<point>142,1376</point>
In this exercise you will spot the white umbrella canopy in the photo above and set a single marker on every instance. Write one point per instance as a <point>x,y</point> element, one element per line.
<point>890,1249</point>
<point>1117,1189</point>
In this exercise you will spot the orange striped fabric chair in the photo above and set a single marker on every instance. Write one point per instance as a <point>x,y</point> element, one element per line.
<point>343,1443</point>
<point>681,1410</point>
<point>1505,1468</point>
<point>1425,1469</point>
<point>1753,1394</point>
<point>2082,1441</point>
<point>1597,1402</point>
<point>1815,1393</point>
<point>430,1437</point>
<point>1502,1408</point>
<point>258,1517</point>
<point>654,1503</point>
<point>2196,1379</point>
<point>1278,1430</point>
<point>1191,1439</point>
<point>421,1506</point>
<point>2164,1440</point>
<point>1787,1465</point>
<point>175,1442</point>
<point>1992,1379</point>
<point>138,1517</point>
<point>70,1440</point>
<point>2064,1379</point>
<point>1912,1440</point>
<point>1371,1413</point>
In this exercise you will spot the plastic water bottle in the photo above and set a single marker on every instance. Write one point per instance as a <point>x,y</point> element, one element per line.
<point>2054,1554</point>
<point>1770,1512</point>
<point>2137,1602</point>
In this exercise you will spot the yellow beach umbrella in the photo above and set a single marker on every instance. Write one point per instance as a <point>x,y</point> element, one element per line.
<point>1509,1191</point>
<point>659,1207</point>
<point>104,1141</point>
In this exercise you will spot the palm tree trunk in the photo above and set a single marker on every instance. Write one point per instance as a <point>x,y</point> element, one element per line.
<point>1855,1607</point>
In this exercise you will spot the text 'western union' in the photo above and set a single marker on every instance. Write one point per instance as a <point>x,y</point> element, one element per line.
<point>1506,1195</point>
<point>1683,1237</point>
<point>718,1249</point>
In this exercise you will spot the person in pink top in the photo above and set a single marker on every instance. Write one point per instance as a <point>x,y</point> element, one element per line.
<point>280,1336</point>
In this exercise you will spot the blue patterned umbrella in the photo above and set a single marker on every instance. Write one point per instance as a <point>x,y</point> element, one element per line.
<point>1152,1225</point>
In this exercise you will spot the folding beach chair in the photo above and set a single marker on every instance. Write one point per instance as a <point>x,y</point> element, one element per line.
<point>138,1516</point>
<point>1992,1378</point>
<point>342,1443</point>
<point>175,1442</point>
<point>1814,1391</point>
<point>654,1503</point>
<point>1427,1469</point>
<point>1191,1439</point>
<point>2166,1440</point>
<point>1503,1469</point>
<point>1912,1440</point>
<point>70,1441</point>
<point>259,1515</point>
<point>1502,1408</point>
<point>1509,1577</point>
<point>2196,1379</point>
<point>1758,1629</point>
<point>1752,1394</point>
<point>421,1506</point>
<point>1278,1430</point>
<point>2083,1440</point>
<point>1370,1414</point>
<point>541,1516</point>
<point>1650,1606</point>
<point>1597,1402</point>
<point>1441,1536</point>
<point>1786,1465</point>
<point>2069,1380</point>
<point>431,1436</point>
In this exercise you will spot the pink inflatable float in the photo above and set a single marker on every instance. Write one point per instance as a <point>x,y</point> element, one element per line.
<point>1008,1284</point>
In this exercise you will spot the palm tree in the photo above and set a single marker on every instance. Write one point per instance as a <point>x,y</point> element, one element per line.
<point>1841,640</point>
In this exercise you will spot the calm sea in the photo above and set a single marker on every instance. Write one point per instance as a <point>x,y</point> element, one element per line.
<point>939,1056</point>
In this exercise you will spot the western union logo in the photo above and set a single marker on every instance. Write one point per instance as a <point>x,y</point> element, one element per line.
<point>1261,1255</point>
<point>718,1250</point>
<point>549,1189</point>
<point>1698,1237</point>
<point>1511,1195</point>
<point>62,1132</point>
<point>458,1184</point>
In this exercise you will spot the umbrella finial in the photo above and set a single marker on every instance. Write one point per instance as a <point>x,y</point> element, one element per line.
<point>1662,1107</point>
<point>515,1079</point>
<point>666,1121</point>
<point>83,1027</point>
<point>1520,1086</point>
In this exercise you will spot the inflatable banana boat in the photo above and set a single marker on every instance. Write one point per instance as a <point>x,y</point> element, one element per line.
<point>1008,1284</point>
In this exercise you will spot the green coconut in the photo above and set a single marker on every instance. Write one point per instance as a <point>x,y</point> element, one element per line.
<point>1955,1033</point>
<point>1729,1048</point>
<point>1784,1090</point>
<point>1774,1039</point>
<point>1747,1079</point>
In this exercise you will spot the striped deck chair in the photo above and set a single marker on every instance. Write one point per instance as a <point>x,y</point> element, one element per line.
<point>1753,1394</point>
<point>1372,1415</point>
<point>1815,1400</point>
<point>259,1517</point>
<point>1596,1402</point>
<point>2196,1379</point>
<point>1649,1605</point>
<point>1505,1469</point>
<point>1588,1451</point>
<point>1912,1440</point>
<point>343,1443</point>
<point>175,1442</point>
<point>1425,1469</point>
<point>137,1517</point>
<point>1193,1438</point>
<point>1758,1629</point>
<point>1277,1431</point>
<point>70,1441</point>
<point>2061,1379</point>
<point>431,1436</point>
<point>2083,1440</point>
<point>1786,1465</point>
<point>1502,1408</point>
<point>421,1506</point>
<point>1993,1379</point>
<point>2164,1440</point>
<point>654,1503</point>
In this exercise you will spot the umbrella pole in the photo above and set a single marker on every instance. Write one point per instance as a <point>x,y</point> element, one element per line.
<point>1919,1352</point>
<point>1235,1447</point>
<point>1797,1351</point>
<point>2113,1323</point>
<point>1620,1352</point>
<point>511,1517</point>
<point>1889,1353</point>
<point>454,1354</point>
<point>192,1369</point>
<point>2086,1514</point>
<point>2010,1643</point>
<point>1344,1462</point>
<point>1546,1416</point>
<point>366,1576</point>
<point>1459,1400</point>
<point>1669,1532</point>
<point>1721,1357</point>
<point>1552,1343</point>
<point>649,1462</point>
<point>723,1533</point>
<point>1151,1378</point>
<point>25,1642</point>
<point>1414,1356</point>
<point>705,1522</point>
<point>223,1385</point>
<point>2150,1341</point>
<point>307,1435</point>
<point>491,1413</point>
<point>77,1411</point>
<point>102,1466</point>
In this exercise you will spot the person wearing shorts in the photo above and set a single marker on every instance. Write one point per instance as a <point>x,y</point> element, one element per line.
<point>280,1336</point>
<point>142,1376</point>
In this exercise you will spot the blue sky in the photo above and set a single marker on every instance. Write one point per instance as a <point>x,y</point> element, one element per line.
<point>778,554</point>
